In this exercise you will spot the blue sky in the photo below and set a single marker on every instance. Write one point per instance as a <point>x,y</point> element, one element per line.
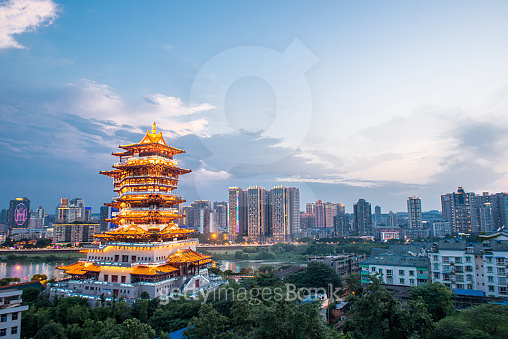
<point>375,99</point>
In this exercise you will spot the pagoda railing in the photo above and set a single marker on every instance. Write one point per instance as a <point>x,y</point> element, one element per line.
<point>150,157</point>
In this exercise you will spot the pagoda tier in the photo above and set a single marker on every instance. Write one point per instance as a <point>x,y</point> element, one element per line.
<point>144,180</point>
<point>135,233</point>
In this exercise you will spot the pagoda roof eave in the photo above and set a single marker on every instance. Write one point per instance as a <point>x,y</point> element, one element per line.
<point>173,150</point>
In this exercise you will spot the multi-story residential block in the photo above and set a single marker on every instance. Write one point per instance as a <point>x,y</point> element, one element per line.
<point>384,233</point>
<point>440,229</point>
<point>10,313</point>
<point>342,264</point>
<point>473,266</point>
<point>396,269</point>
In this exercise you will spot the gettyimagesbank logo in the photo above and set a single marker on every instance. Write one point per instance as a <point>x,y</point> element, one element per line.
<point>257,295</point>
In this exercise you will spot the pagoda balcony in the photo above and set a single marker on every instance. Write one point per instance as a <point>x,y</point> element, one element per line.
<point>153,184</point>
<point>147,193</point>
<point>145,244</point>
<point>145,161</point>
<point>147,176</point>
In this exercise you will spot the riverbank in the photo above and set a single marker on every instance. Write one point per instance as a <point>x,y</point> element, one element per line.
<point>43,257</point>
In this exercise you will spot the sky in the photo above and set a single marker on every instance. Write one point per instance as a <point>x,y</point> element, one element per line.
<point>379,100</point>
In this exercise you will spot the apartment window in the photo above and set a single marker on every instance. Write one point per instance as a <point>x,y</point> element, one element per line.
<point>502,289</point>
<point>117,257</point>
<point>458,260</point>
<point>412,281</point>
<point>373,269</point>
<point>500,261</point>
<point>114,278</point>
<point>14,330</point>
<point>469,277</point>
<point>435,257</point>
<point>389,280</point>
<point>4,318</point>
<point>401,272</point>
<point>469,268</point>
<point>436,275</point>
<point>123,278</point>
<point>501,270</point>
<point>411,272</point>
<point>446,259</point>
<point>401,280</point>
<point>15,316</point>
<point>468,259</point>
<point>491,288</point>
<point>389,272</point>
<point>125,258</point>
<point>446,277</point>
<point>380,271</point>
<point>460,286</point>
<point>501,281</point>
<point>448,285</point>
<point>488,260</point>
<point>3,332</point>
<point>106,277</point>
<point>490,279</point>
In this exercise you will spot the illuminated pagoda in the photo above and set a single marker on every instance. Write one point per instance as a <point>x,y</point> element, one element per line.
<point>148,251</point>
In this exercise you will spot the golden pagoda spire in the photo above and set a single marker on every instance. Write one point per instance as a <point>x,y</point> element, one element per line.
<point>153,129</point>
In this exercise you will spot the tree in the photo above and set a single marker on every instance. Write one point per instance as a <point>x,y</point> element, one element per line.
<point>354,283</point>
<point>487,318</point>
<point>449,328</point>
<point>135,329</point>
<point>30,295</point>
<point>39,277</point>
<point>419,319</point>
<point>145,295</point>
<point>376,314</point>
<point>437,298</point>
<point>316,274</point>
<point>209,324</point>
<point>51,331</point>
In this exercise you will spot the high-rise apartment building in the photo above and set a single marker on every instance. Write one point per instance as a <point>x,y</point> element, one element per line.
<point>257,226</point>
<point>284,213</point>
<point>330,211</point>
<point>377,215</point>
<point>18,216</point>
<point>362,217</point>
<point>237,212</point>
<point>199,211</point>
<point>457,210</point>
<point>319,213</point>
<point>221,208</point>
<point>70,211</point>
<point>414,212</point>
<point>341,224</point>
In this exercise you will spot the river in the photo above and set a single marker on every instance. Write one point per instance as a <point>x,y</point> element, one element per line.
<point>25,270</point>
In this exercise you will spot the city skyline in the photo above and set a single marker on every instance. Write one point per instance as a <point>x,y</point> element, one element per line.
<point>379,101</point>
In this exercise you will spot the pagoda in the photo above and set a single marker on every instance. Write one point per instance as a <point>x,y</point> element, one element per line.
<point>148,251</point>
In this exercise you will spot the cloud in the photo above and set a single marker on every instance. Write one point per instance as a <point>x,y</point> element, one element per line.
<point>92,100</point>
<point>19,16</point>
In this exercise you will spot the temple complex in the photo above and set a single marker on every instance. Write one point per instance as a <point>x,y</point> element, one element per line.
<point>148,251</point>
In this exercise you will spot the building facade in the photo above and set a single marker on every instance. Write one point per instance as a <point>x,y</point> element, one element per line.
<point>11,308</point>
